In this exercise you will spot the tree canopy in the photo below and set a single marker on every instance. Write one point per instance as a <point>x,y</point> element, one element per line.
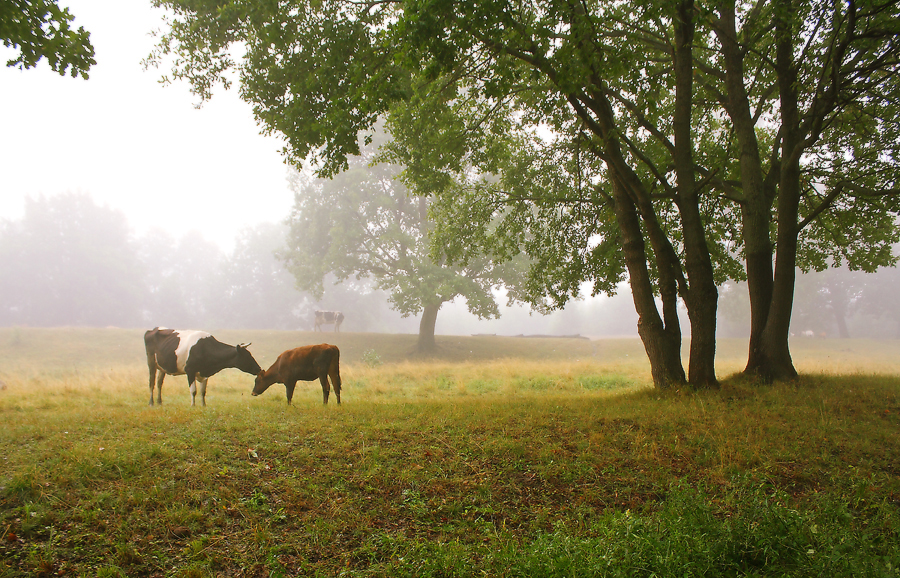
<point>364,224</point>
<point>669,141</point>
<point>39,29</point>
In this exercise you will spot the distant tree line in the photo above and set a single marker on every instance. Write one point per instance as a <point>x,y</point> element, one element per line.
<point>70,261</point>
<point>834,303</point>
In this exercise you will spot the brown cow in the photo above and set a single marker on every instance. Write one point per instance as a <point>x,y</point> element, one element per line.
<point>304,363</point>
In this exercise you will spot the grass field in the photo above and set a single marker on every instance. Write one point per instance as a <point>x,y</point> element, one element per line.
<point>498,457</point>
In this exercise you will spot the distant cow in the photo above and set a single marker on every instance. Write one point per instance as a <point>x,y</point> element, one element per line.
<point>304,364</point>
<point>327,318</point>
<point>196,354</point>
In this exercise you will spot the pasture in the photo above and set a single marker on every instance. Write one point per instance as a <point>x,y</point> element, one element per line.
<point>499,456</point>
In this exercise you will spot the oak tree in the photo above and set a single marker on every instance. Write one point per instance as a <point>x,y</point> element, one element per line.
<point>691,134</point>
<point>362,223</point>
<point>810,89</point>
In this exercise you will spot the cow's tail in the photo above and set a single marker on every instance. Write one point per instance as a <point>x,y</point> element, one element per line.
<point>150,338</point>
<point>334,369</point>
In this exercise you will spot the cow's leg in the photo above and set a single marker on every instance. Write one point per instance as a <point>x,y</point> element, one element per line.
<point>289,390</point>
<point>159,380</point>
<point>337,387</point>
<point>152,368</point>
<point>326,388</point>
<point>202,381</point>
<point>193,386</point>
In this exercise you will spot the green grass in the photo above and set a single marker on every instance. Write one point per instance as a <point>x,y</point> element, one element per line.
<point>534,458</point>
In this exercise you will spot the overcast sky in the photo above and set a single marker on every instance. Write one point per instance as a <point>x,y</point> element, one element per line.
<point>132,143</point>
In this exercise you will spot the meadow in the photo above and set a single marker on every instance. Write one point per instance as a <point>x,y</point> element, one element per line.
<point>499,456</point>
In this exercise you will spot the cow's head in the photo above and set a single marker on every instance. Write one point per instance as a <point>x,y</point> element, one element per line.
<point>258,386</point>
<point>263,380</point>
<point>245,361</point>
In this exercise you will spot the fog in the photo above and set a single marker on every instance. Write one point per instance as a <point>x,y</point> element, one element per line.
<point>835,303</point>
<point>69,261</point>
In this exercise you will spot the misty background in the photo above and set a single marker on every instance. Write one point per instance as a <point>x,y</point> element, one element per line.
<point>121,140</point>
<point>71,261</point>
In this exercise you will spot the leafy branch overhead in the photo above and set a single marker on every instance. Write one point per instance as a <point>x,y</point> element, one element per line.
<point>41,29</point>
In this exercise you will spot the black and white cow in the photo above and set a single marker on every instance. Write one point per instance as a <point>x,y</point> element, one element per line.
<point>196,354</point>
<point>327,318</point>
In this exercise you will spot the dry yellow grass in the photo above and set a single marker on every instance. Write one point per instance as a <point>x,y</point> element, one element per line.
<point>69,365</point>
<point>821,356</point>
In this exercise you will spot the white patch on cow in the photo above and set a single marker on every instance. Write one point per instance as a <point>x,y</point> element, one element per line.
<point>186,340</point>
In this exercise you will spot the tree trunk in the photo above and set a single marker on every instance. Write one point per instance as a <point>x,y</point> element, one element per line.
<point>702,295</point>
<point>840,317</point>
<point>633,205</point>
<point>775,360</point>
<point>426,342</point>
<point>770,305</point>
<point>637,217</point>
<point>662,342</point>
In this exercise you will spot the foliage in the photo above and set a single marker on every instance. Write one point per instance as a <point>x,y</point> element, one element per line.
<point>520,196</point>
<point>526,120</point>
<point>41,29</point>
<point>850,166</point>
<point>362,223</point>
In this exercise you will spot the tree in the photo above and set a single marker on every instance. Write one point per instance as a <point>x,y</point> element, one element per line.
<point>843,192</point>
<point>69,262</point>
<point>582,205</point>
<point>41,29</point>
<point>566,70</point>
<point>363,224</point>
<point>658,112</point>
<point>810,90</point>
<point>184,280</point>
<point>288,47</point>
<point>878,299</point>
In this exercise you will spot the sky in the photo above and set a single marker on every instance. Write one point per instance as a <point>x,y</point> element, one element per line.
<point>132,143</point>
